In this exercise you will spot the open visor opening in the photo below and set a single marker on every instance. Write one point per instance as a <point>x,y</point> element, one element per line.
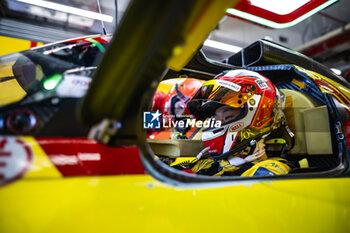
<point>211,97</point>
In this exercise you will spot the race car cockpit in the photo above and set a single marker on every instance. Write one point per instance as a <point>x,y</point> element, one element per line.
<point>315,109</point>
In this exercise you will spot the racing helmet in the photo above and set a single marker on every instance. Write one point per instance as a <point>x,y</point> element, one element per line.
<point>246,103</point>
<point>173,103</point>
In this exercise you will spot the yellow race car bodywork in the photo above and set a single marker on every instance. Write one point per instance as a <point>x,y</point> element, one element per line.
<point>140,203</point>
<point>45,201</point>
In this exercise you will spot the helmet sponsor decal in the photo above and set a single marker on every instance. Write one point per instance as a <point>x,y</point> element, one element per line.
<point>246,134</point>
<point>261,83</point>
<point>236,127</point>
<point>15,159</point>
<point>230,85</point>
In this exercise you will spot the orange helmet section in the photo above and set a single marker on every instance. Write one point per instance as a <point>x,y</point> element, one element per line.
<point>170,99</point>
<point>173,91</point>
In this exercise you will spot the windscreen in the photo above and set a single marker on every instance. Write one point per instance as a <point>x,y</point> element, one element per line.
<point>31,70</point>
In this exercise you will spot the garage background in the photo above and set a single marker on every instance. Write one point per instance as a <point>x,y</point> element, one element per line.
<point>325,36</point>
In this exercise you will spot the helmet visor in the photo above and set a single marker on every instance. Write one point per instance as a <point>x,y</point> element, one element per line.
<point>218,93</point>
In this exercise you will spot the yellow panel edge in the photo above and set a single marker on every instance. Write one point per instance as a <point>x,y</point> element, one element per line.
<point>205,23</point>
